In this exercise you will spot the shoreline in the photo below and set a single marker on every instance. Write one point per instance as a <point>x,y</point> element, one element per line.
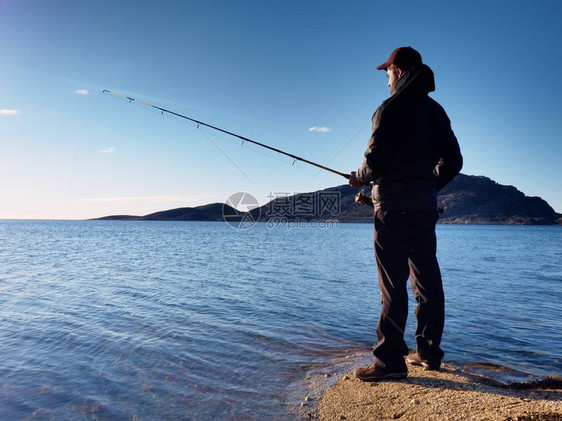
<point>448,394</point>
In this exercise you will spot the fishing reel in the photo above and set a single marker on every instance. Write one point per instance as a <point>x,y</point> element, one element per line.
<point>363,199</point>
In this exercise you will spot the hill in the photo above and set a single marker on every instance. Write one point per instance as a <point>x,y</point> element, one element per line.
<point>480,200</point>
<point>210,212</point>
<point>467,199</point>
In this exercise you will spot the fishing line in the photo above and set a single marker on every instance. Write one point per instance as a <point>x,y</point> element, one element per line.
<point>199,128</point>
<point>206,284</point>
<point>262,152</point>
<point>243,138</point>
<point>231,141</point>
<point>166,115</point>
<point>234,142</point>
<point>75,158</point>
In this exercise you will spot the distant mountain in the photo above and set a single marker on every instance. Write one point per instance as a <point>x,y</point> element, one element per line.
<point>466,200</point>
<point>210,212</point>
<point>334,203</point>
<point>118,218</point>
<point>480,200</point>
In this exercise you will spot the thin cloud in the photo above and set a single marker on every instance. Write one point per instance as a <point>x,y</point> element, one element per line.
<point>82,92</point>
<point>9,112</point>
<point>320,129</point>
<point>148,198</point>
<point>111,149</point>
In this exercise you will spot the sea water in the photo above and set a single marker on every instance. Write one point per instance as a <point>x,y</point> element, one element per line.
<point>199,320</point>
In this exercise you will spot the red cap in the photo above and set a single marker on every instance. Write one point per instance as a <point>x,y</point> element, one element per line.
<point>403,58</point>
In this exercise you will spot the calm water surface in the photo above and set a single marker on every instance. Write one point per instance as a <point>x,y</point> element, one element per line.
<point>193,320</point>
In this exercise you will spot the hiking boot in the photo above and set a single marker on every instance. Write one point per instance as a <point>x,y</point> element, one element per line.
<point>415,359</point>
<point>373,373</point>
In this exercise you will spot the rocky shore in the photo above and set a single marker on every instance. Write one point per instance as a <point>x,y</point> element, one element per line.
<point>448,394</point>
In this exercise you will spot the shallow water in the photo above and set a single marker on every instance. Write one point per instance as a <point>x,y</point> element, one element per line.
<point>197,320</point>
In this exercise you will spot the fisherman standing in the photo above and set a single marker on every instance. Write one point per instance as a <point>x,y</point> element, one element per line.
<point>411,155</point>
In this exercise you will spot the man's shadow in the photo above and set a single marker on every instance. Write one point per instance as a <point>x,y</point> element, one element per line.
<point>548,388</point>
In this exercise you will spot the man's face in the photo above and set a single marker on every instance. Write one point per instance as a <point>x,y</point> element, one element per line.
<point>392,75</point>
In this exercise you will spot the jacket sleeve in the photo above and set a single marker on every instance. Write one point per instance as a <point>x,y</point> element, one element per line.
<point>377,151</point>
<point>450,162</point>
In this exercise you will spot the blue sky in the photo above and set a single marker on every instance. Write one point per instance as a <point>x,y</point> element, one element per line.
<point>267,70</point>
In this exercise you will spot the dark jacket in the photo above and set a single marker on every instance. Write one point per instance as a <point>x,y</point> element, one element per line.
<point>412,152</point>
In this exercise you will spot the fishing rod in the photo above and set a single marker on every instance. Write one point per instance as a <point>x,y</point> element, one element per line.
<point>244,139</point>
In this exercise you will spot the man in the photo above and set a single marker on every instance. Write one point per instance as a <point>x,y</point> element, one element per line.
<point>411,154</point>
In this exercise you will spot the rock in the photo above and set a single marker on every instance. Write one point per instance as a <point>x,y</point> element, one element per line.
<point>327,375</point>
<point>343,417</point>
<point>415,401</point>
<point>308,399</point>
<point>346,377</point>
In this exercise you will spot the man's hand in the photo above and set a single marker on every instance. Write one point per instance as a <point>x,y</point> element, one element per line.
<point>353,182</point>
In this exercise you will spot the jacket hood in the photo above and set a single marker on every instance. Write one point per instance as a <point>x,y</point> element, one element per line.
<point>418,81</point>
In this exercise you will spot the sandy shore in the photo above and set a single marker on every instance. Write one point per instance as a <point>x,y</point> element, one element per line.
<point>448,394</point>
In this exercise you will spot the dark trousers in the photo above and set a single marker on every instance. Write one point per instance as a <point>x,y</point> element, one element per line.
<point>405,247</point>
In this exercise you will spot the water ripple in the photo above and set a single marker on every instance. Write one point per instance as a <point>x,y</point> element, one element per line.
<point>113,320</point>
